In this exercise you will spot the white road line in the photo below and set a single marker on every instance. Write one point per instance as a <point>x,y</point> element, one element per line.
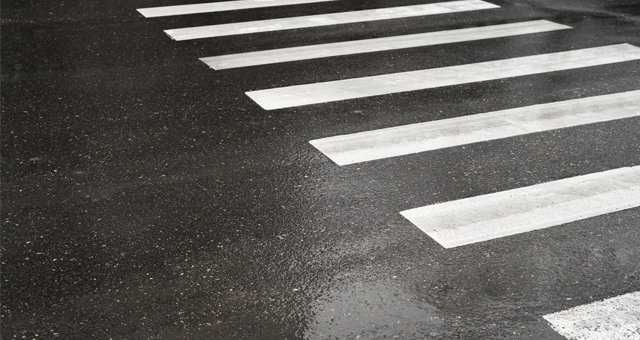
<point>379,44</point>
<point>292,96</point>
<point>414,138</point>
<point>164,11</point>
<point>327,19</point>
<point>616,318</point>
<point>516,211</point>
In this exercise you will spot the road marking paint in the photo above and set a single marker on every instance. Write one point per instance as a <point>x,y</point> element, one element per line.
<point>164,11</point>
<point>379,44</point>
<point>616,318</point>
<point>516,211</point>
<point>414,138</point>
<point>299,95</point>
<point>326,19</point>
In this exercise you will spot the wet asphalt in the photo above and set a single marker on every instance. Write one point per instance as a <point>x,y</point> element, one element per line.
<point>145,196</point>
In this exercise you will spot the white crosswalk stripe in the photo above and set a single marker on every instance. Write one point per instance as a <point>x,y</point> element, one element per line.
<point>153,12</point>
<point>379,44</point>
<point>617,318</point>
<point>414,138</point>
<point>511,212</point>
<point>299,95</point>
<point>326,19</point>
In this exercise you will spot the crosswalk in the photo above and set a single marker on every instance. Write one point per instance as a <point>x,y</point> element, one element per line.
<point>298,95</point>
<point>380,44</point>
<point>611,319</point>
<point>422,137</point>
<point>470,220</point>
<point>154,12</point>
<point>512,212</point>
<point>271,25</point>
<point>428,136</point>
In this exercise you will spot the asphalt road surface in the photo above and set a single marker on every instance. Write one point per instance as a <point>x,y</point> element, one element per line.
<point>403,169</point>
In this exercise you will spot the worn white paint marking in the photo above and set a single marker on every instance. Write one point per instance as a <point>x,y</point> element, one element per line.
<point>616,318</point>
<point>511,212</point>
<point>379,44</point>
<point>414,138</point>
<point>424,79</point>
<point>327,19</point>
<point>164,11</point>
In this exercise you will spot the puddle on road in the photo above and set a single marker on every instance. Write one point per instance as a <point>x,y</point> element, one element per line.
<point>371,310</point>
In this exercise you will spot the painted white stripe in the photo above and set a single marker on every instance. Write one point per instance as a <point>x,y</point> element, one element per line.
<point>511,212</point>
<point>414,138</point>
<point>379,44</point>
<point>164,11</point>
<point>326,19</point>
<point>616,318</point>
<point>424,79</point>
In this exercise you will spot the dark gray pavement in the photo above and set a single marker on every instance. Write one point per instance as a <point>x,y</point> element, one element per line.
<point>145,196</point>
